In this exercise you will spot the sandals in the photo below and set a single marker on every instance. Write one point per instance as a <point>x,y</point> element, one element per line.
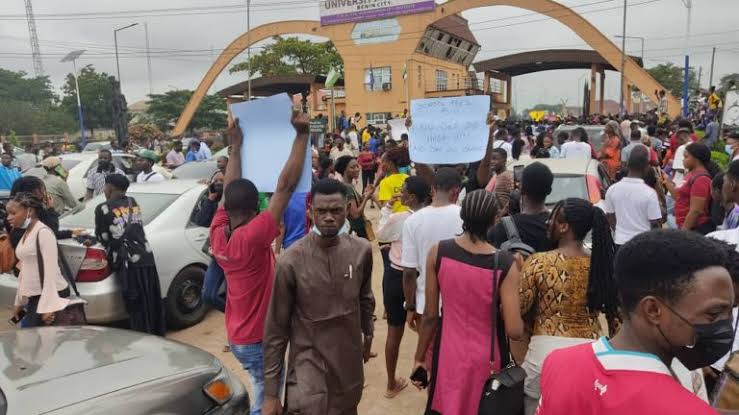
<point>400,384</point>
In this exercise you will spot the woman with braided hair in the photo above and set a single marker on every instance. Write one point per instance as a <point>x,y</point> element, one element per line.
<point>479,289</point>
<point>564,290</point>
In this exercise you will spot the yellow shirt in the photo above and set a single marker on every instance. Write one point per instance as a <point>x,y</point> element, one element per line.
<point>366,137</point>
<point>714,101</point>
<point>390,186</point>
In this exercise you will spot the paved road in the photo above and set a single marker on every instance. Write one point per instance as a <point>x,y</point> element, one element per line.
<point>210,335</point>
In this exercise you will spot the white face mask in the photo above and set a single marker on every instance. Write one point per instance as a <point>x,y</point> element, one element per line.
<point>344,229</point>
<point>26,222</point>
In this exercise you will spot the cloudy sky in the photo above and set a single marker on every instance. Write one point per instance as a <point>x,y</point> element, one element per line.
<point>185,39</point>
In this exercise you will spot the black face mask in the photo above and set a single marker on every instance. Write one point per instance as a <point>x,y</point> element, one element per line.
<point>710,342</point>
<point>103,165</point>
<point>216,188</point>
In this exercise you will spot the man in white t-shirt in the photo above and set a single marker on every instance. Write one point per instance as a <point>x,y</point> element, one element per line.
<point>501,141</point>
<point>632,206</point>
<point>145,162</point>
<point>576,148</point>
<point>682,137</point>
<point>424,228</point>
<point>626,126</point>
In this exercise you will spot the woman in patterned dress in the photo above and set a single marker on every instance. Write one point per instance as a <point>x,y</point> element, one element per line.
<point>564,290</point>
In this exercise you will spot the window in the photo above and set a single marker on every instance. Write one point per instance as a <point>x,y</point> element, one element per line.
<point>375,78</point>
<point>375,118</point>
<point>152,204</point>
<point>441,80</point>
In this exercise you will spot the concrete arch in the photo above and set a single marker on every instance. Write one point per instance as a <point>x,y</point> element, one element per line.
<point>587,32</point>
<point>259,33</point>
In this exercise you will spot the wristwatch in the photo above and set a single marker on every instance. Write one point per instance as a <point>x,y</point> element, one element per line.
<point>409,307</point>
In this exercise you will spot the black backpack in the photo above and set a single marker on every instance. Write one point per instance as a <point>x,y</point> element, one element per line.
<point>514,244</point>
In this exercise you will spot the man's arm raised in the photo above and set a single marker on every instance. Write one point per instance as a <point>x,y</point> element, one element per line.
<point>290,175</point>
<point>233,169</point>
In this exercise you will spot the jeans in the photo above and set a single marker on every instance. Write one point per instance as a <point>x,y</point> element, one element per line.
<point>251,358</point>
<point>214,277</point>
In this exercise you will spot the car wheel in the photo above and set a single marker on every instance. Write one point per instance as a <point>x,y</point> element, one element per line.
<point>184,303</point>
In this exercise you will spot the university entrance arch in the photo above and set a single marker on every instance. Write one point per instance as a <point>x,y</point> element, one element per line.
<point>358,56</point>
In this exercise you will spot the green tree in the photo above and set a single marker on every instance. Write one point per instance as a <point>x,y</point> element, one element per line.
<point>723,84</point>
<point>96,94</point>
<point>287,56</point>
<point>671,77</point>
<point>14,86</point>
<point>165,109</point>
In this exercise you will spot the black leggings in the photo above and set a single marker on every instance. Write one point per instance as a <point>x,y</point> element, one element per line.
<point>368,177</point>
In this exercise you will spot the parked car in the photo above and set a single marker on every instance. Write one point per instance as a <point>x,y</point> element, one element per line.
<point>581,178</point>
<point>595,133</point>
<point>96,146</point>
<point>200,170</point>
<point>168,210</point>
<point>80,165</point>
<point>98,370</point>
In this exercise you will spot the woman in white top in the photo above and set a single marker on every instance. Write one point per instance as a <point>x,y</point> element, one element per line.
<point>40,301</point>
<point>415,193</point>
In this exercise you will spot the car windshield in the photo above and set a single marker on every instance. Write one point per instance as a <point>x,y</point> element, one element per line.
<point>195,170</point>
<point>152,204</point>
<point>566,186</point>
<point>69,164</point>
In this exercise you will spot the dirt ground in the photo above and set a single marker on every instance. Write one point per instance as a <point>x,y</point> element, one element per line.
<point>210,335</point>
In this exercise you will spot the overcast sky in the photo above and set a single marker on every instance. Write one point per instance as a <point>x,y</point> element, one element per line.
<point>500,31</point>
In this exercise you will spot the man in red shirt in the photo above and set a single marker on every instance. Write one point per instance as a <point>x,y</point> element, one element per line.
<point>677,297</point>
<point>241,242</point>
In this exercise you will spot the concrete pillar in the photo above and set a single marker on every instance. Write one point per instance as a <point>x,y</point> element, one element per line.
<point>627,98</point>
<point>593,85</point>
<point>486,85</point>
<point>508,93</point>
<point>602,91</point>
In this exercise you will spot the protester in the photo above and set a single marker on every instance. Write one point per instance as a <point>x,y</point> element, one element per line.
<point>732,145</point>
<point>366,160</point>
<point>714,101</point>
<point>631,205</point>
<point>214,276</point>
<point>61,197</point>
<point>501,141</point>
<point>713,130</point>
<point>415,194</point>
<point>119,228</point>
<point>677,297</point>
<point>424,228</point>
<point>222,163</point>
<point>536,185</point>
<point>204,150</point>
<point>8,173</point>
<point>96,178</point>
<point>295,223</point>
<point>729,197</point>
<point>501,184</point>
<point>241,243</point>
<point>610,154</point>
<point>339,149</point>
<point>459,275</point>
<point>693,198</point>
<point>635,142</point>
<point>145,161</point>
<point>349,170</point>
<point>175,158</point>
<point>566,289</point>
<point>391,184</point>
<point>576,148</point>
<point>329,338</point>
<point>193,151</point>
<point>42,292</point>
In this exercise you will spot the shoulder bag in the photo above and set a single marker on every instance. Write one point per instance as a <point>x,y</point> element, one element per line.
<point>74,313</point>
<point>7,254</point>
<point>503,391</point>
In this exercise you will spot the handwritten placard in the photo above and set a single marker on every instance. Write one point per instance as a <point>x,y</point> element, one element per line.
<point>449,130</point>
<point>268,140</point>
<point>397,128</point>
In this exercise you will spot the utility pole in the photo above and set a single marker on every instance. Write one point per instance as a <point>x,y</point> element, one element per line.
<point>623,61</point>
<point>38,66</point>
<point>248,48</point>
<point>700,75</point>
<point>713,58</point>
<point>115,40</point>
<point>148,56</point>
<point>686,91</point>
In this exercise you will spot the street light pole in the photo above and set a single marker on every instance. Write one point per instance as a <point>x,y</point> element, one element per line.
<point>248,48</point>
<point>635,37</point>
<point>686,91</point>
<point>115,40</point>
<point>623,60</point>
<point>72,56</point>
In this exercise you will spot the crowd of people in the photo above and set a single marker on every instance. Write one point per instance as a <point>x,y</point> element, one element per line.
<point>615,305</point>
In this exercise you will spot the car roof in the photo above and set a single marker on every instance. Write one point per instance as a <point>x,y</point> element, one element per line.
<point>561,166</point>
<point>168,187</point>
<point>90,155</point>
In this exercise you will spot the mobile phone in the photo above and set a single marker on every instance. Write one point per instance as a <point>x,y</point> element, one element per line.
<point>420,375</point>
<point>517,173</point>
<point>17,319</point>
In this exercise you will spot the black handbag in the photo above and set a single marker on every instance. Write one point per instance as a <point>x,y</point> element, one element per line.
<point>503,391</point>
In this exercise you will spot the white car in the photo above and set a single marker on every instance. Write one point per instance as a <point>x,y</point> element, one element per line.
<point>80,165</point>
<point>168,210</point>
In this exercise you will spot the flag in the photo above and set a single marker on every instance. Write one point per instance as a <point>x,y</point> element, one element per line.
<point>332,77</point>
<point>405,71</point>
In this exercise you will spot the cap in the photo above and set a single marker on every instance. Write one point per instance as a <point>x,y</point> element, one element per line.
<point>148,154</point>
<point>50,162</point>
<point>684,130</point>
